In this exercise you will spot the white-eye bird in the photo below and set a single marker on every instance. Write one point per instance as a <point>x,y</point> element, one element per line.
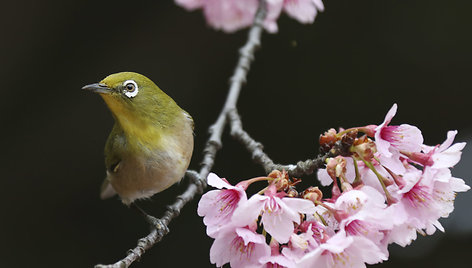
<point>151,143</point>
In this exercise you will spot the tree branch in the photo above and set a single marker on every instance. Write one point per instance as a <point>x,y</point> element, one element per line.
<point>246,56</point>
<point>302,168</point>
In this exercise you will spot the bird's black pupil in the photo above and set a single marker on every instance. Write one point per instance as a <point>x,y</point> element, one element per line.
<point>130,87</point>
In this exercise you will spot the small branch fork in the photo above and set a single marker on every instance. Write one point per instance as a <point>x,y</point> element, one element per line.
<point>302,168</point>
<point>227,115</point>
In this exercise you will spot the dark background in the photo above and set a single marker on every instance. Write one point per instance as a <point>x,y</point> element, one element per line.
<point>346,69</point>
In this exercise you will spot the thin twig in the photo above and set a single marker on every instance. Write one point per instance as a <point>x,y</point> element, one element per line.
<point>246,56</point>
<point>302,168</point>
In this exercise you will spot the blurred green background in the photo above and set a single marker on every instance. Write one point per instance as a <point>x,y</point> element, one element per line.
<point>347,69</point>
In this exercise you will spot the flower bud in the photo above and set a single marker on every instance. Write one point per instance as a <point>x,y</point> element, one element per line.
<point>365,148</point>
<point>346,186</point>
<point>421,158</point>
<point>327,140</point>
<point>281,179</point>
<point>347,140</point>
<point>291,192</point>
<point>312,193</point>
<point>336,167</point>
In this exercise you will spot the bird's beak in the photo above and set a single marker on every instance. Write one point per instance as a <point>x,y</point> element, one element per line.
<point>98,88</point>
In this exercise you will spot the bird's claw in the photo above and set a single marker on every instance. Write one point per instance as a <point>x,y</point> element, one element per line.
<point>158,224</point>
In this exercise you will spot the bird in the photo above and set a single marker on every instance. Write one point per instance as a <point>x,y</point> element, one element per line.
<point>151,143</point>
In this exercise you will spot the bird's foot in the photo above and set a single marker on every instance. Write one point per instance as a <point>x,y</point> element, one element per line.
<point>156,223</point>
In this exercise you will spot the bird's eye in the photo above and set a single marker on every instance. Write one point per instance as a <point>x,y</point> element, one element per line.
<point>130,88</point>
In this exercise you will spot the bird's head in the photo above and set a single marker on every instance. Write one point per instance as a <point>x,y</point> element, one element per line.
<point>135,101</point>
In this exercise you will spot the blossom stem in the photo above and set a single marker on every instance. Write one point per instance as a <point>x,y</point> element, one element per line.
<point>340,134</point>
<point>381,178</point>
<point>263,190</point>
<point>245,184</point>
<point>357,180</point>
<point>319,217</point>
<point>330,209</point>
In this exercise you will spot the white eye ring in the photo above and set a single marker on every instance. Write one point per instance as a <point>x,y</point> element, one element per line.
<point>131,88</point>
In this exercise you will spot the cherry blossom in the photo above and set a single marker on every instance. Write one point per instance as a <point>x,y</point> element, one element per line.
<point>241,247</point>
<point>217,206</point>
<point>232,15</point>
<point>385,188</point>
<point>278,214</point>
<point>343,250</point>
<point>304,11</point>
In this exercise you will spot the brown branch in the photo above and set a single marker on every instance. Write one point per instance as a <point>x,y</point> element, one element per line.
<point>246,56</point>
<point>302,168</point>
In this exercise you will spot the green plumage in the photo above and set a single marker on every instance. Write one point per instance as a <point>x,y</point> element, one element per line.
<point>150,145</point>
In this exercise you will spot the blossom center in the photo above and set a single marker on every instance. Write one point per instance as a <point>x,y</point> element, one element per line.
<point>227,201</point>
<point>240,248</point>
<point>392,134</point>
<point>418,196</point>
<point>271,206</point>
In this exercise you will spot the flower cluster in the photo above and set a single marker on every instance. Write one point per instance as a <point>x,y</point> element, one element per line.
<point>232,15</point>
<point>387,186</point>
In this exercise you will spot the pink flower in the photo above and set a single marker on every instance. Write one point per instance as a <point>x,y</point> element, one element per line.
<point>423,198</point>
<point>390,140</point>
<point>217,206</point>
<point>441,156</point>
<point>241,247</point>
<point>349,173</point>
<point>445,188</point>
<point>313,234</point>
<point>367,176</point>
<point>304,11</point>
<point>276,260</point>
<point>342,250</point>
<point>364,214</point>
<point>403,137</point>
<point>232,15</point>
<point>278,214</point>
<point>190,4</point>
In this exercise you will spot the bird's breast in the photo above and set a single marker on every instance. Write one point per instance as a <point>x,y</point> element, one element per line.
<point>145,170</point>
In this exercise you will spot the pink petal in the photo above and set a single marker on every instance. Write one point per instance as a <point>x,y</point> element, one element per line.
<point>219,251</point>
<point>319,5</point>
<point>451,134</point>
<point>207,202</point>
<point>249,211</point>
<point>391,113</point>
<point>274,8</point>
<point>302,10</point>
<point>323,177</point>
<point>190,4</point>
<point>250,236</point>
<point>217,182</point>
<point>279,260</point>
<point>449,157</point>
<point>411,138</point>
<point>300,205</point>
<point>382,146</point>
<point>393,162</point>
<point>338,243</point>
<point>280,227</point>
<point>256,248</point>
<point>367,251</point>
<point>458,185</point>
<point>351,201</point>
<point>402,235</point>
<point>230,15</point>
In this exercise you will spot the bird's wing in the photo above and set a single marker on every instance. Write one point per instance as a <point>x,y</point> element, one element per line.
<point>107,190</point>
<point>113,149</point>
